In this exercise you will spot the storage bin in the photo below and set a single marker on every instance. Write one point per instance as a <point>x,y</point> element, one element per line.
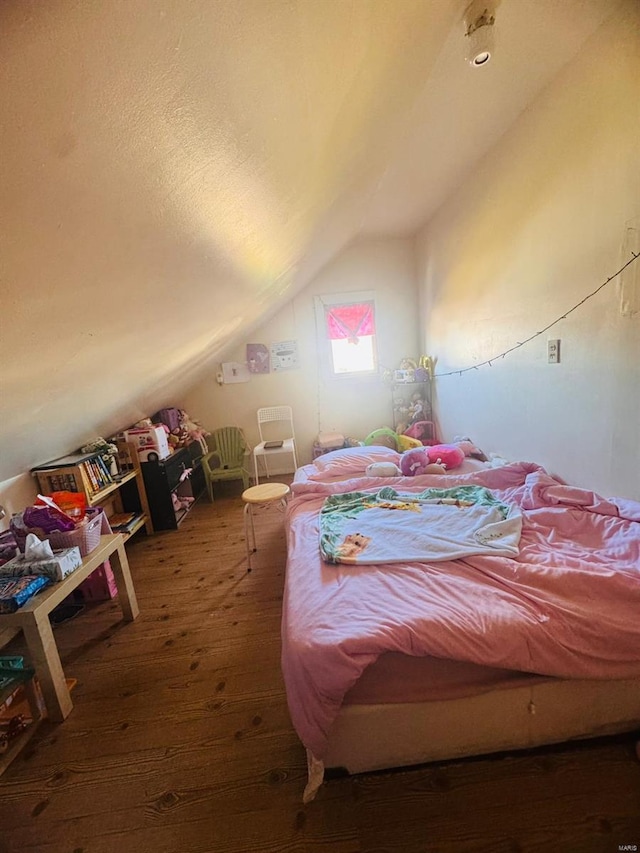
<point>86,537</point>
<point>100,585</point>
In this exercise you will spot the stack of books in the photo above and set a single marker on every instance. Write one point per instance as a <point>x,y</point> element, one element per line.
<point>97,472</point>
<point>64,474</point>
<point>123,522</point>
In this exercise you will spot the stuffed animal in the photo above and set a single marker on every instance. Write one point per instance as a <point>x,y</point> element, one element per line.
<point>383,469</point>
<point>416,461</point>
<point>416,408</point>
<point>448,455</point>
<point>424,431</point>
<point>405,442</point>
<point>384,437</point>
<point>469,448</point>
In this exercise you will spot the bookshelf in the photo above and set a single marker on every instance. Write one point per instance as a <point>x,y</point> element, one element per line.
<point>86,473</point>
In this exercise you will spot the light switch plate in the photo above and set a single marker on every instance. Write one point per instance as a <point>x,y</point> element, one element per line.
<point>553,351</point>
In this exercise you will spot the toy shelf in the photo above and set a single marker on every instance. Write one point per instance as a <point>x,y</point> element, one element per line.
<point>166,477</point>
<point>401,401</point>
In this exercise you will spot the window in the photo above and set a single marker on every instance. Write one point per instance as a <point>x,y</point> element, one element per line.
<point>347,324</point>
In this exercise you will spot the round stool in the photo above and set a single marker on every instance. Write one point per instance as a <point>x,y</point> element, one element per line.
<point>265,493</point>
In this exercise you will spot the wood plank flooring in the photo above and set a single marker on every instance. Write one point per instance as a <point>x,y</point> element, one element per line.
<point>180,739</point>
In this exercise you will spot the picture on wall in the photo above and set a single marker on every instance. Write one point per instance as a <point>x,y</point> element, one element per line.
<point>235,371</point>
<point>284,356</point>
<point>257,358</point>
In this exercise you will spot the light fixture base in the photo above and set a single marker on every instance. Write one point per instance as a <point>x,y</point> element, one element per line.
<point>479,21</point>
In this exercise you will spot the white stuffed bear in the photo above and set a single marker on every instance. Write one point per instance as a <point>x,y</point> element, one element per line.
<point>383,469</point>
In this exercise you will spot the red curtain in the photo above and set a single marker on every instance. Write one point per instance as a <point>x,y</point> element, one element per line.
<point>350,321</point>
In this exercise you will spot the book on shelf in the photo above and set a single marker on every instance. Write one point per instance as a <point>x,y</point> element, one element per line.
<point>97,472</point>
<point>90,475</point>
<point>104,470</point>
<point>122,522</point>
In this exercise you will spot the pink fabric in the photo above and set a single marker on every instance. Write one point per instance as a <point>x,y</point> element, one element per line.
<point>353,467</point>
<point>401,678</point>
<point>566,607</point>
<point>352,460</point>
<point>350,321</point>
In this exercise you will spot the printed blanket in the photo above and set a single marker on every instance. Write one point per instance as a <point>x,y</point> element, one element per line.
<point>435,524</point>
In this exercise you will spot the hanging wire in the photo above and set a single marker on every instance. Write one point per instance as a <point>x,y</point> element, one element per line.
<point>542,331</point>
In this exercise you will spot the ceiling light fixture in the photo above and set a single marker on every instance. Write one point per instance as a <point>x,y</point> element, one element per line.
<point>479,21</point>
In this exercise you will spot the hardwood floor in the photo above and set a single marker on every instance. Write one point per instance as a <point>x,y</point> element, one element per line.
<point>180,739</point>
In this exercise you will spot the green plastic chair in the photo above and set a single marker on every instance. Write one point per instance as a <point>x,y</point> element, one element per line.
<point>226,459</point>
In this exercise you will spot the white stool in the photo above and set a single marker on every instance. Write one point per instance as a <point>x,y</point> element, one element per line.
<point>264,493</point>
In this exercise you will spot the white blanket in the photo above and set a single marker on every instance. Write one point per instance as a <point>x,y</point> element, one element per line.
<point>387,527</point>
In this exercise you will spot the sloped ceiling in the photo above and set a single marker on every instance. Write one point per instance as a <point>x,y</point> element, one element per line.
<point>173,170</point>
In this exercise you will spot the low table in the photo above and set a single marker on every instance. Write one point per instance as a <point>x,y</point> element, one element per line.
<point>33,619</point>
<point>264,493</point>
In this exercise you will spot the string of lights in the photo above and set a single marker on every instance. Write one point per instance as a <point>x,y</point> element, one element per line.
<point>516,346</point>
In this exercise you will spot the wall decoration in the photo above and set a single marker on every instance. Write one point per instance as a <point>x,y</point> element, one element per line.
<point>235,371</point>
<point>284,356</point>
<point>257,358</point>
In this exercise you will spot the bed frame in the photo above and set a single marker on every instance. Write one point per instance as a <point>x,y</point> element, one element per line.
<point>375,737</point>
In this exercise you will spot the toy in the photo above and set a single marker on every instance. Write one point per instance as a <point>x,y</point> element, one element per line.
<point>194,431</point>
<point>469,448</point>
<point>416,461</point>
<point>407,368</point>
<point>416,408</point>
<point>384,437</point>
<point>424,431</point>
<point>448,455</point>
<point>383,469</point>
<point>406,442</point>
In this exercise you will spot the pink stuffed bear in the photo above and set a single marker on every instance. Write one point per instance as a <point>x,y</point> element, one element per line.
<point>416,461</point>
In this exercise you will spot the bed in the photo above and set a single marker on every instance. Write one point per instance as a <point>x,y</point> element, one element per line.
<point>455,652</point>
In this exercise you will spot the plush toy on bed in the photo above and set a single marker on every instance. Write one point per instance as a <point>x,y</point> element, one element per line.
<point>384,437</point>
<point>469,448</point>
<point>416,461</point>
<point>383,469</point>
<point>448,455</point>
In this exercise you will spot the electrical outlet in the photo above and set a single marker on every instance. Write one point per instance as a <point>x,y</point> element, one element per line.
<point>553,351</point>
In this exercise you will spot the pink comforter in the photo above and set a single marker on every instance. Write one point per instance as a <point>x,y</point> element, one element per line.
<point>568,606</point>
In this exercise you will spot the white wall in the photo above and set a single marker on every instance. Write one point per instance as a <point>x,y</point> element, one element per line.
<point>539,225</point>
<point>352,407</point>
<point>15,495</point>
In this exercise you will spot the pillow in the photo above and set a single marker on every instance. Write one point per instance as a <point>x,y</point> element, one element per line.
<point>355,459</point>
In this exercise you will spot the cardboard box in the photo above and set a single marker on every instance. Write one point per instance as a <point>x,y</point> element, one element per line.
<point>56,568</point>
<point>149,442</point>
